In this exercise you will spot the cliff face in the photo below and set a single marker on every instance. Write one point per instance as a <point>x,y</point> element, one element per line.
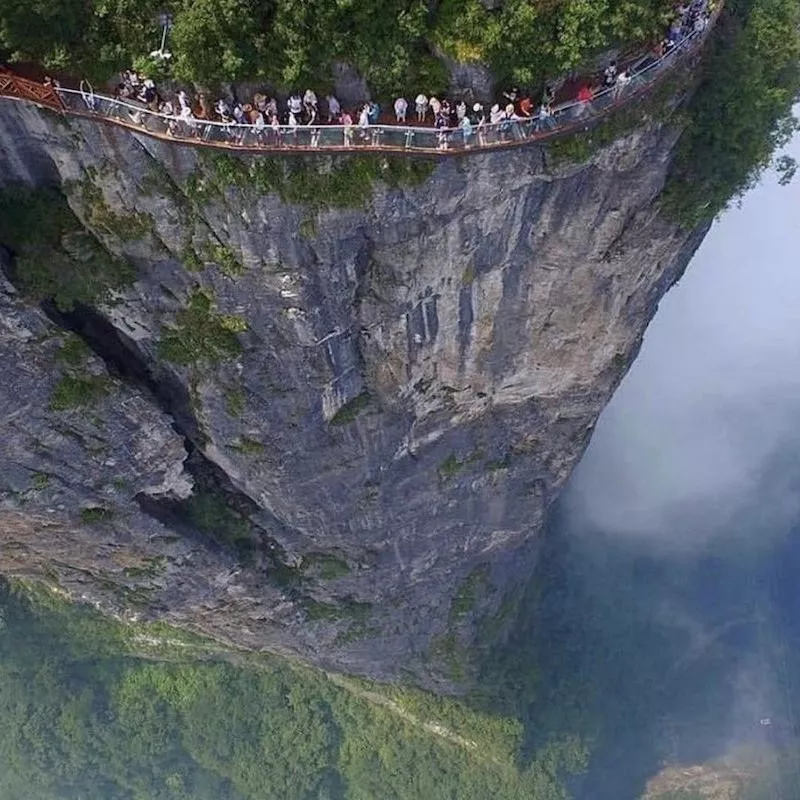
<point>421,367</point>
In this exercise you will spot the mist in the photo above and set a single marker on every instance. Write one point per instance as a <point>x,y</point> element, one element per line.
<point>680,529</point>
<point>709,412</point>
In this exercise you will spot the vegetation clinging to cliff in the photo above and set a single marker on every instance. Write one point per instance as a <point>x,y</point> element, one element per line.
<point>55,258</point>
<point>200,334</point>
<point>291,42</point>
<point>314,182</point>
<point>742,111</point>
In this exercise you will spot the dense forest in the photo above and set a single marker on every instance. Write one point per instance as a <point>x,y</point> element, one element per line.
<point>289,43</point>
<point>81,717</point>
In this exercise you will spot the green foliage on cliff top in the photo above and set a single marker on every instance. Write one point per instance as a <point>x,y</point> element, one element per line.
<point>742,111</point>
<point>55,259</point>
<point>295,42</point>
<point>81,718</point>
<point>525,41</point>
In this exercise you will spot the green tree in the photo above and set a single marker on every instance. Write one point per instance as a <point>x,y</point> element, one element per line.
<point>742,110</point>
<point>218,40</point>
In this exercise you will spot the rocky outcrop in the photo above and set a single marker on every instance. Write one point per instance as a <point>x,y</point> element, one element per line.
<point>419,370</point>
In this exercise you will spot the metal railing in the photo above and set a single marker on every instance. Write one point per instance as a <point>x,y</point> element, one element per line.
<point>19,88</point>
<point>564,118</point>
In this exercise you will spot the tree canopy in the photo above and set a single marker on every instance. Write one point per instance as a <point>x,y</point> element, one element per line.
<point>394,44</point>
<point>741,113</point>
<point>80,717</point>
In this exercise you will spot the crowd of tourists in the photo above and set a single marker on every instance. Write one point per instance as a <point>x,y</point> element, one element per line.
<point>268,121</point>
<point>272,121</point>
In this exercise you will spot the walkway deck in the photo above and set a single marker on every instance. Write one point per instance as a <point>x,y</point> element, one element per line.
<point>566,118</point>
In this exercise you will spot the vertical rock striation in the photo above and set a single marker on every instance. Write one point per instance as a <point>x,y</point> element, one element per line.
<point>419,372</point>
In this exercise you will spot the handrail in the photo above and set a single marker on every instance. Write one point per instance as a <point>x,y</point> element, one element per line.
<point>194,131</point>
<point>14,86</point>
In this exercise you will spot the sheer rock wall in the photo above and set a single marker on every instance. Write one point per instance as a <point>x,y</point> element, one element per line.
<point>419,376</point>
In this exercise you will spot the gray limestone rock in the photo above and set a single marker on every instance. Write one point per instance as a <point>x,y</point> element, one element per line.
<point>418,375</point>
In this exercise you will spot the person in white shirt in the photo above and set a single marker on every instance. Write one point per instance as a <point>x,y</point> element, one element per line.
<point>293,125</point>
<point>479,121</point>
<point>435,105</point>
<point>168,110</point>
<point>400,109</point>
<point>422,107</point>
<point>623,79</point>
<point>461,110</point>
<point>188,119</point>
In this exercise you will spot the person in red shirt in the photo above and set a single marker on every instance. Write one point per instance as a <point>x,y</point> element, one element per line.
<point>525,106</point>
<point>585,94</point>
